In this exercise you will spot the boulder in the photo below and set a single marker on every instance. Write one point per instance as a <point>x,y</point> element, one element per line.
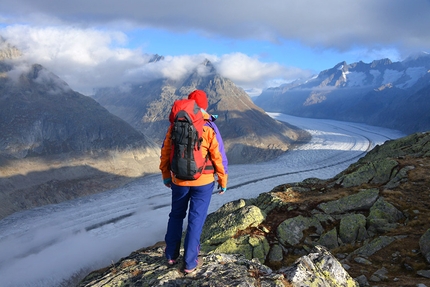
<point>227,221</point>
<point>359,201</point>
<point>267,201</point>
<point>374,246</point>
<point>318,268</point>
<point>290,231</point>
<point>250,246</point>
<point>401,176</point>
<point>383,216</point>
<point>276,255</point>
<point>352,228</point>
<point>375,172</point>
<point>329,239</point>
<point>379,275</point>
<point>425,245</point>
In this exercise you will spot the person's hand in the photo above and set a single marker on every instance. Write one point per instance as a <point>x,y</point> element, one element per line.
<point>222,189</point>
<point>167,182</point>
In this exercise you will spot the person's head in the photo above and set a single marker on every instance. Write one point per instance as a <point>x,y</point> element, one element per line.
<point>200,97</point>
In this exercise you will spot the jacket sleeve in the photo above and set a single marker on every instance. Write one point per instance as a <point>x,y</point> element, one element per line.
<point>218,156</point>
<point>165,156</point>
<point>220,147</point>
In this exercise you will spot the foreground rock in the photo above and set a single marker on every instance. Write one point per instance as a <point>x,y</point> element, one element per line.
<point>147,268</point>
<point>370,223</point>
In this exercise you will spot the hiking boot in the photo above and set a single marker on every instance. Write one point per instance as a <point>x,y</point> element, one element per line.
<point>191,271</point>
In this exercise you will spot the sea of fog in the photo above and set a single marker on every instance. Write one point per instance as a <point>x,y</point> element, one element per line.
<point>47,245</point>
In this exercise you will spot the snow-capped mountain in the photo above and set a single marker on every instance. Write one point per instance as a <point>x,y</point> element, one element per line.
<point>379,93</point>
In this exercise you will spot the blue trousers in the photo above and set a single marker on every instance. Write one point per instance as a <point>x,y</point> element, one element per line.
<point>198,198</point>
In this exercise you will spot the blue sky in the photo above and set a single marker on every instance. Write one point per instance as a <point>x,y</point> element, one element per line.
<point>98,43</point>
<point>285,52</point>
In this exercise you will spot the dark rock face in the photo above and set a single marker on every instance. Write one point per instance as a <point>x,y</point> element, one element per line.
<point>41,115</point>
<point>315,232</point>
<point>250,135</point>
<point>382,93</point>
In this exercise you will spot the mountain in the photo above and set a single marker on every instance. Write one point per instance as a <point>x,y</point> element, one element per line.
<point>57,144</point>
<point>249,134</point>
<point>382,93</point>
<point>367,226</point>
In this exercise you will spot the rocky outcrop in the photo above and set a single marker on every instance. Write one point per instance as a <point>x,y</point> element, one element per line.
<point>319,232</point>
<point>318,268</point>
<point>381,165</point>
<point>147,267</point>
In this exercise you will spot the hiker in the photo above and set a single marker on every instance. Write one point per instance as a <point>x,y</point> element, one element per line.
<point>195,192</point>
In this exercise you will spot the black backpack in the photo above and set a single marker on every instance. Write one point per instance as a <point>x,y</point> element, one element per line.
<point>186,159</point>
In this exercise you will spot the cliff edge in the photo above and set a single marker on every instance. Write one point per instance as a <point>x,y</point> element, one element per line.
<point>367,226</point>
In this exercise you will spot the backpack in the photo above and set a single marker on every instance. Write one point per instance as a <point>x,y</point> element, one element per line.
<point>186,160</point>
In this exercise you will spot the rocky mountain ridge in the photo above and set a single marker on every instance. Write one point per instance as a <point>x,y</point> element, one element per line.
<point>249,134</point>
<point>57,144</point>
<point>367,226</point>
<point>382,93</point>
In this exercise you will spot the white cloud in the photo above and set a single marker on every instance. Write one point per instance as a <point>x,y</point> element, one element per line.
<point>331,23</point>
<point>84,58</point>
<point>171,67</point>
<point>250,72</point>
<point>88,58</point>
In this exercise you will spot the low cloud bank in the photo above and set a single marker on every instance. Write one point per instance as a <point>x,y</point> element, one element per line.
<point>48,256</point>
<point>88,59</point>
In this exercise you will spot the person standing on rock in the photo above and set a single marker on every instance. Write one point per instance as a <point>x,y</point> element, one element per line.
<point>196,193</point>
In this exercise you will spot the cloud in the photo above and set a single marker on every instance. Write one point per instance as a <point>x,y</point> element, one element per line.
<point>88,59</point>
<point>330,23</point>
<point>84,58</point>
<point>55,256</point>
<point>54,249</point>
<point>250,72</point>
<point>172,67</point>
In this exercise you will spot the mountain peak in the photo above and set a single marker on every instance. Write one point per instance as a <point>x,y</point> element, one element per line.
<point>382,62</point>
<point>209,66</point>
<point>340,65</point>
<point>417,55</point>
<point>156,58</point>
<point>420,59</point>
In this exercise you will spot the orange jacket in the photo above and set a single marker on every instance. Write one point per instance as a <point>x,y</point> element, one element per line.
<point>209,145</point>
